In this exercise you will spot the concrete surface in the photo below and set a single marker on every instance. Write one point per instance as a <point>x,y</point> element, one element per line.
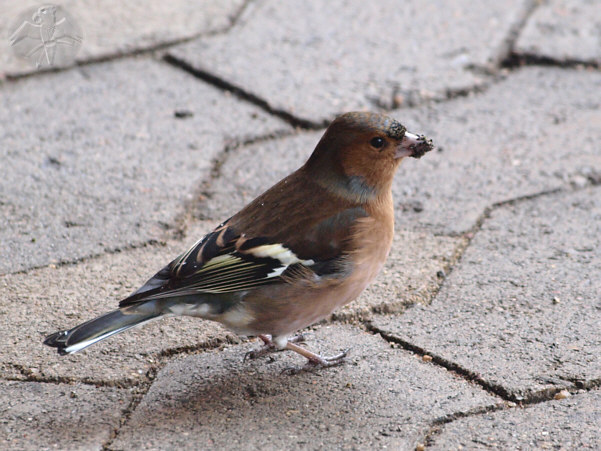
<point>59,297</point>
<point>516,139</point>
<point>112,28</point>
<point>564,31</point>
<point>522,310</point>
<point>214,401</point>
<point>564,424</point>
<point>49,416</point>
<point>487,310</point>
<point>95,158</point>
<point>316,59</point>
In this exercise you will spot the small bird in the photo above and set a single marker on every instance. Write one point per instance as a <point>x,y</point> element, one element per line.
<point>308,245</point>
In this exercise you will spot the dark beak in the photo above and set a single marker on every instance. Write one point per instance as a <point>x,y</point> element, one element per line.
<point>413,146</point>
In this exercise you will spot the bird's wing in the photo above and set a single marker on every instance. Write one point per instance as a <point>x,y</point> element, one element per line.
<point>225,261</point>
<point>26,30</point>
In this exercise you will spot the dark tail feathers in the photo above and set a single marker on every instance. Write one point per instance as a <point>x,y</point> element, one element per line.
<point>93,331</point>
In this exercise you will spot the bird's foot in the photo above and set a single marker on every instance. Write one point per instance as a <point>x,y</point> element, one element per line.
<point>314,361</point>
<point>270,347</point>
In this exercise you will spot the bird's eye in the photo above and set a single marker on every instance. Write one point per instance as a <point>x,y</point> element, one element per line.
<point>377,142</point>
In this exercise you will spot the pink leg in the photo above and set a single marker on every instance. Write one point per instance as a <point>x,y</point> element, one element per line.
<point>315,361</point>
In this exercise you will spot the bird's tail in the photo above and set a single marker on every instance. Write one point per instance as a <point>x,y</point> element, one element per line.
<point>93,331</point>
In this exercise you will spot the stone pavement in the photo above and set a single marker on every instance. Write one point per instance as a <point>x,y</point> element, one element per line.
<point>484,328</point>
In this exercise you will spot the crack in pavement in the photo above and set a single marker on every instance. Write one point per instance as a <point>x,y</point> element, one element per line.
<point>127,412</point>
<point>192,208</point>
<point>150,49</point>
<point>243,94</point>
<point>436,426</point>
<point>516,60</point>
<point>508,44</point>
<point>152,242</point>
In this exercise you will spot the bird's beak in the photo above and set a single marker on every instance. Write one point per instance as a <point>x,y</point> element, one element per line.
<point>413,146</point>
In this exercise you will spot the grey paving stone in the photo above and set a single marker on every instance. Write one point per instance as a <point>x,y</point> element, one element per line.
<point>111,27</point>
<point>522,309</point>
<point>563,30</point>
<point>537,130</point>
<point>45,300</point>
<point>315,59</point>
<point>571,423</point>
<point>48,416</point>
<point>94,158</point>
<point>382,397</point>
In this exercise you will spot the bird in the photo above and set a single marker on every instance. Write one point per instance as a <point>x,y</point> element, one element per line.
<point>305,247</point>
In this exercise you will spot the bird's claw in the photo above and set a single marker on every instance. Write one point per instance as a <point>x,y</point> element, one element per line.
<point>262,351</point>
<point>317,363</point>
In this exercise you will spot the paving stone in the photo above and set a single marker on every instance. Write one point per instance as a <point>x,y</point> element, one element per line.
<point>48,416</point>
<point>45,300</point>
<point>94,159</point>
<point>535,131</point>
<point>314,59</point>
<point>563,30</point>
<point>382,397</point>
<point>522,309</point>
<point>112,28</point>
<point>571,423</point>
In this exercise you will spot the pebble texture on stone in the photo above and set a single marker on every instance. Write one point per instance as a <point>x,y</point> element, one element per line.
<point>567,424</point>
<point>47,416</point>
<point>45,300</point>
<point>535,131</point>
<point>316,59</point>
<point>522,310</point>
<point>94,159</point>
<point>563,30</point>
<point>111,28</point>
<point>382,397</point>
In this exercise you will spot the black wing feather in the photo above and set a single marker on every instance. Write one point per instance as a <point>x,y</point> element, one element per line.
<point>221,262</point>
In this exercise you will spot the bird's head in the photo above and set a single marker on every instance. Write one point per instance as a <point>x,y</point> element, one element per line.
<point>360,152</point>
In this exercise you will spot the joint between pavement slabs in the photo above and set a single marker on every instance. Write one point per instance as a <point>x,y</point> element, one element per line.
<point>494,389</point>
<point>160,360</point>
<point>436,425</point>
<point>508,44</point>
<point>143,387</point>
<point>178,226</point>
<point>467,237</point>
<point>107,251</point>
<point>191,209</point>
<point>242,94</point>
<point>127,412</point>
<point>135,51</point>
<point>517,60</point>
<point>28,376</point>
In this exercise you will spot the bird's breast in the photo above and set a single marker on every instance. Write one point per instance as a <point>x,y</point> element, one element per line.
<point>285,308</point>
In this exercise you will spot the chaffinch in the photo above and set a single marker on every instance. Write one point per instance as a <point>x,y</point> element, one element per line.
<point>305,247</point>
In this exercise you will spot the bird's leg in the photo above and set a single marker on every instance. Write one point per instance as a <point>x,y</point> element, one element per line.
<point>315,361</point>
<point>270,346</point>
